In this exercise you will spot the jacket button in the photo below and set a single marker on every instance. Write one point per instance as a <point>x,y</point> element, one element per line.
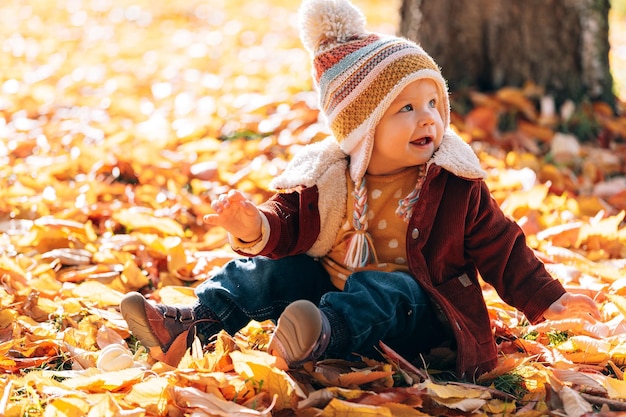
<point>415,233</point>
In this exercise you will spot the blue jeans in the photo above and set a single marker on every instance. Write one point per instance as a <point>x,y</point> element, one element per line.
<point>373,306</point>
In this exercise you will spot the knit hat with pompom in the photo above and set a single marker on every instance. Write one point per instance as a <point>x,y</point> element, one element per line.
<point>358,74</point>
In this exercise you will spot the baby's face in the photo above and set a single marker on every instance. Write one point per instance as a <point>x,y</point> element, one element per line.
<point>410,131</point>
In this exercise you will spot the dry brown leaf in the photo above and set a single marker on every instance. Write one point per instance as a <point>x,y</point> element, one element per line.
<point>542,133</point>
<point>573,403</point>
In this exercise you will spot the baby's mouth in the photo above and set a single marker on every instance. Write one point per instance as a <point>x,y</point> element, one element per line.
<point>422,141</point>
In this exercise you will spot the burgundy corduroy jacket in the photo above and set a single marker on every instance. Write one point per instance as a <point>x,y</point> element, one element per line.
<point>456,232</point>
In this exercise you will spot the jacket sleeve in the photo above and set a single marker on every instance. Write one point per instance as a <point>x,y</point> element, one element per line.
<point>294,222</point>
<point>498,247</point>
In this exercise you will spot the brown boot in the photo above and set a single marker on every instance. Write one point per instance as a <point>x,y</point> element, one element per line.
<point>158,325</point>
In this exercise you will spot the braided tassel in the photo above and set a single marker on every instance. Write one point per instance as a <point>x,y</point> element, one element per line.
<point>405,205</point>
<point>360,248</point>
<point>360,251</point>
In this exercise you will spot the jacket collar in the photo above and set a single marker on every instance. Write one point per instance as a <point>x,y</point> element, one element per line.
<point>305,169</point>
<point>458,157</point>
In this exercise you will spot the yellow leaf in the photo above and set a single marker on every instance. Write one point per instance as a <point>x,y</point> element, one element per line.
<point>401,410</point>
<point>6,362</point>
<point>96,381</point>
<point>172,295</point>
<point>499,407</point>
<point>589,344</point>
<point>619,301</point>
<point>261,367</point>
<point>71,306</point>
<point>81,357</point>
<point>108,406</point>
<point>177,258</point>
<point>524,200</point>
<point>591,355</point>
<point>149,393</point>
<point>574,325</point>
<point>605,271</point>
<point>6,299</point>
<point>362,377</point>
<point>7,317</point>
<point>67,407</point>
<point>12,268</point>
<point>97,293</point>
<point>618,354</point>
<point>616,388</point>
<point>606,227</point>
<point>132,277</point>
<point>446,391</point>
<point>191,399</point>
<point>38,330</point>
<point>470,405</point>
<point>339,408</point>
<point>136,220</point>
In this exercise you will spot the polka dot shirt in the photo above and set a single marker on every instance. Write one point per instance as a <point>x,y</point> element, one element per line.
<point>388,230</point>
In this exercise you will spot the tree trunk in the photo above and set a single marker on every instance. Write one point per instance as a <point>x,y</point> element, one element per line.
<point>561,45</point>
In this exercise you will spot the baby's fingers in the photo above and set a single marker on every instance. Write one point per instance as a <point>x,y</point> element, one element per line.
<point>224,201</point>
<point>211,219</point>
<point>236,196</point>
<point>249,208</point>
<point>219,205</point>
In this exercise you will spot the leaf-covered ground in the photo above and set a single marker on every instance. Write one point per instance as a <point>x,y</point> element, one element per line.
<point>120,121</point>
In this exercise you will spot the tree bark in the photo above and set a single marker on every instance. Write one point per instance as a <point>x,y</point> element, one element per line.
<point>561,45</point>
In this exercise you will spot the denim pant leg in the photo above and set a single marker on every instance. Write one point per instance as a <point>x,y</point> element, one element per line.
<point>387,306</point>
<point>260,288</point>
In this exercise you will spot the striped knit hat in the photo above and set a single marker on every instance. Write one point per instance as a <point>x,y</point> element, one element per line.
<point>358,74</point>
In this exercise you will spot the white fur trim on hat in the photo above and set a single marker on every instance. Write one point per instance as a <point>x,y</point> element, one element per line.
<point>329,20</point>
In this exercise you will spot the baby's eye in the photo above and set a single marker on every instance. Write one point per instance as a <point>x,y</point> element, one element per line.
<point>432,103</point>
<point>408,107</point>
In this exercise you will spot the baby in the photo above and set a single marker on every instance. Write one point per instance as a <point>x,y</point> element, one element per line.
<point>378,233</point>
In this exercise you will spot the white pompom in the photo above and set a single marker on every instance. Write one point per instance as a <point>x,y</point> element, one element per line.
<point>334,20</point>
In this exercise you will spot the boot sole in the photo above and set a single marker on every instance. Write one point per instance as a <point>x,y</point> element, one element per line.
<point>298,330</point>
<point>134,312</point>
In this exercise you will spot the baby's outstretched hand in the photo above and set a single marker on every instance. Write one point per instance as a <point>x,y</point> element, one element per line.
<point>237,214</point>
<point>573,306</point>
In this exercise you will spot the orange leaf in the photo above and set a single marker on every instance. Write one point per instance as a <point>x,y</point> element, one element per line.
<point>515,97</point>
<point>481,122</point>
